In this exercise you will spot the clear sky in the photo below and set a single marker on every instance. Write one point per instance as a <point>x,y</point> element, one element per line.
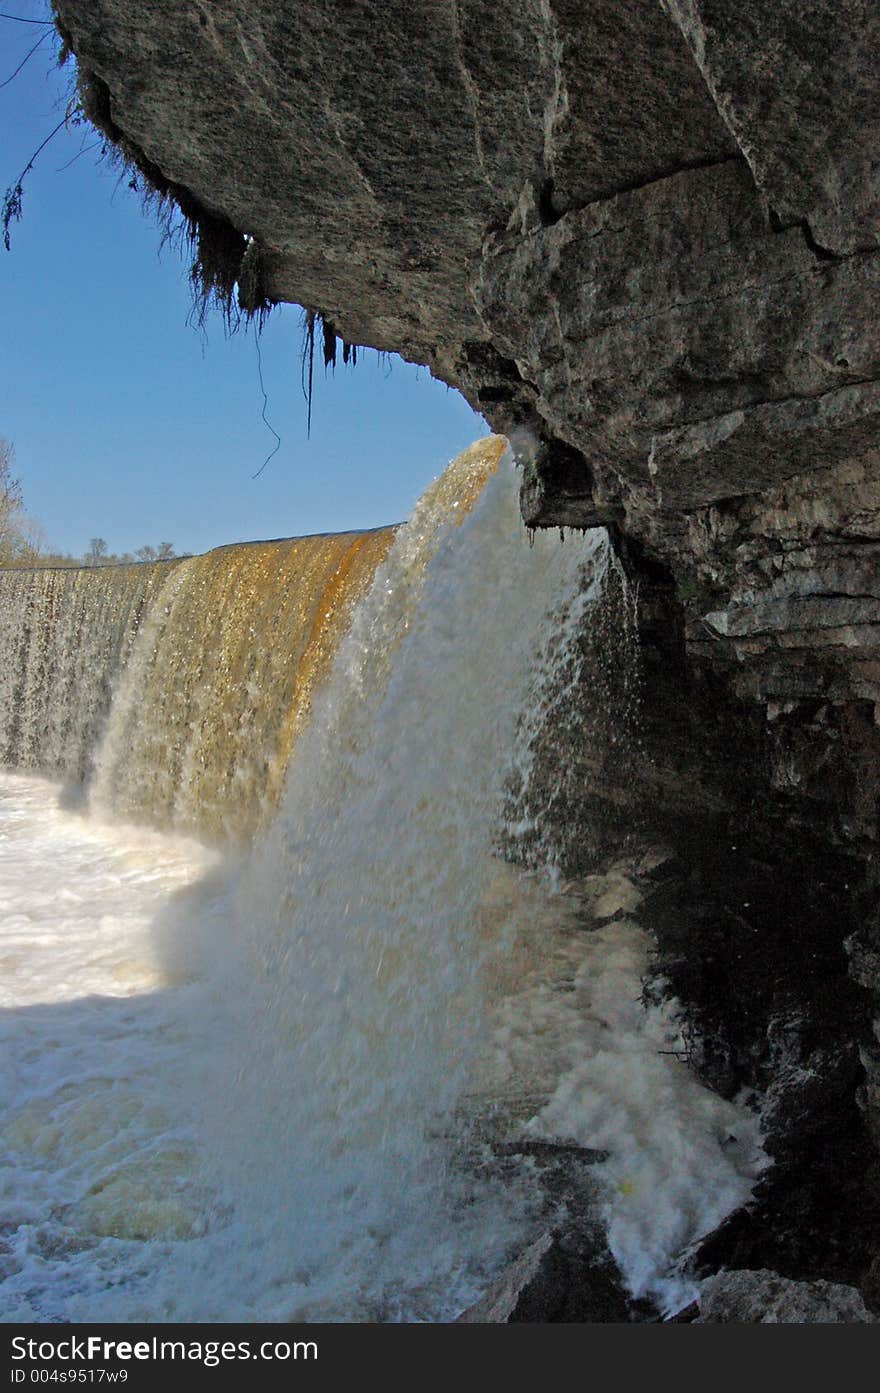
<point>126,423</point>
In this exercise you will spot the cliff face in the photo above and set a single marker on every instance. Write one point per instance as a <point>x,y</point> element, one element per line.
<point>642,237</point>
<point>645,232</point>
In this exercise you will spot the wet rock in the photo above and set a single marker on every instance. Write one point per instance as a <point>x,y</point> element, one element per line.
<point>765,1298</point>
<point>567,1274</point>
<point>500,1300</point>
<point>870,1285</point>
<point>551,1152</point>
<point>557,1280</point>
<point>814,1217</point>
<point>752,945</point>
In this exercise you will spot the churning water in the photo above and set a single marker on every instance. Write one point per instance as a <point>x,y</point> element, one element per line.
<point>248,1082</point>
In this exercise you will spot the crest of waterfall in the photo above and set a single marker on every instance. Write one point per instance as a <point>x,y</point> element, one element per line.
<point>173,693</point>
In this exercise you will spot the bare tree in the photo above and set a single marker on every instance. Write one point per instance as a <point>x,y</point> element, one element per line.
<point>13,523</point>
<point>22,542</point>
<point>97,552</point>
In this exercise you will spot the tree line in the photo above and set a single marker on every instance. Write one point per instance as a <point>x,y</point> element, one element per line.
<point>22,542</point>
<point>99,555</point>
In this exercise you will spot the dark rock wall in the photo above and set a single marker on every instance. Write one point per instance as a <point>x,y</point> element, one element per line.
<point>642,237</point>
<point>765,925</point>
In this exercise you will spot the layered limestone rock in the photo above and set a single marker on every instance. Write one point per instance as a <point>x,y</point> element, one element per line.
<point>643,238</point>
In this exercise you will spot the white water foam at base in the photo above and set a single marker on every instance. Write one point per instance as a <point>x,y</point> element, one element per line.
<point>103,1206</point>
<point>91,1032</point>
<point>613,1074</point>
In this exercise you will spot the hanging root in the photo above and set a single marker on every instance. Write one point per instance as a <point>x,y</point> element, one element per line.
<point>227,271</point>
<point>315,322</point>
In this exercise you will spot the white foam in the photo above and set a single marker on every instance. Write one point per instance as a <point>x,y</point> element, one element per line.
<point>78,898</point>
<point>90,1036</point>
<point>615,1079</point>
<point>286,1074</point>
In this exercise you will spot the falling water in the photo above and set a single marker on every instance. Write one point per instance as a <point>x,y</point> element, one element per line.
<point>267,1112</point>
<point>373,923</point>
<point>210,661</point>
<point>64,634</point>
<point>220,680</point>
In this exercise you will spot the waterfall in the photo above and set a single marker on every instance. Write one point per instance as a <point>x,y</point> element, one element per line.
<point>220,680</point>
<point>64,635</point>
<point>253,1087</point>
<point>174,692</point>
<point>368,933</point>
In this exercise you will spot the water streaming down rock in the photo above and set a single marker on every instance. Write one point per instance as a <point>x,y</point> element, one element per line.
<point>220,681</point>
<point>64,635</point>
<point>210,662</point>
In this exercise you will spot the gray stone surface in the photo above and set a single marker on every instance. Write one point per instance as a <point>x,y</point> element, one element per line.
<point>557,1279</point>
<point>765,1298</point>
<point>797,87</point>
<point>368,147</point>
<point>499,1301</point>
<point>686,350</point>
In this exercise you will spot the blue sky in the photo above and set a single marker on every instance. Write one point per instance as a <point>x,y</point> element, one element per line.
<point>126,423</point>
